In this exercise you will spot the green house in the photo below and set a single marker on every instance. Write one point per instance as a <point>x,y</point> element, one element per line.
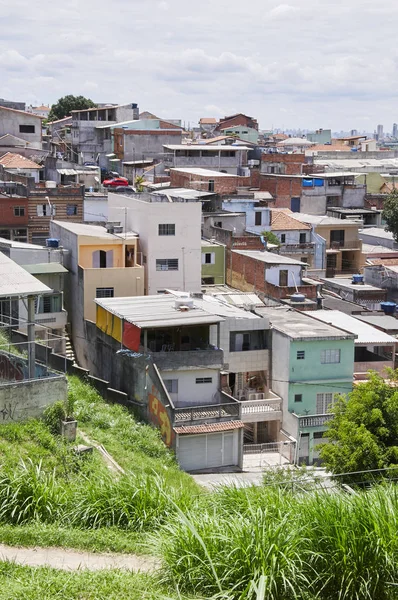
<point>213,263</point>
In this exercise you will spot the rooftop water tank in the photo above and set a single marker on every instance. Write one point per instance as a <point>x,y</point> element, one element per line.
<point>388,307</point>
<point>51,184</point>
<point>358,278</point>
<point>52,243</point>
<point>297,297</point>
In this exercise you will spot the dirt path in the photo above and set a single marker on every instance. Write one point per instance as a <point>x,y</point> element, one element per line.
<point>72,560</point>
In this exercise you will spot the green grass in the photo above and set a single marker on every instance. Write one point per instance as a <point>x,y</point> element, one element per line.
<point>26,583</point>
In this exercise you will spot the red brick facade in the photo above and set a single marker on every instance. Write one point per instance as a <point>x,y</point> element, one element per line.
<point>13,211</point>
<point>237,120</point>
<point>289,164</point>
<point>222,184</point>
<point>248,274</point>
<point>281,188</point>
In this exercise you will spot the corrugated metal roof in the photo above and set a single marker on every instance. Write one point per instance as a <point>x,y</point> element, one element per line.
<point>42,268</point>
<point>208,428</point>
<point>156,311</point>
<point>366,334</point>
<point>385,322</point>
<point>15,281</point>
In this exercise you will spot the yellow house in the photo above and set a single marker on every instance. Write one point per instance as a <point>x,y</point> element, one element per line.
<point>103,263</point>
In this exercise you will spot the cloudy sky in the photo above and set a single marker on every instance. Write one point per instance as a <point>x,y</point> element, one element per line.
<point>303,63</point>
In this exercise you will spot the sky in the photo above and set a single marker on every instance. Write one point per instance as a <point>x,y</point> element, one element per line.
<point>299,64</point>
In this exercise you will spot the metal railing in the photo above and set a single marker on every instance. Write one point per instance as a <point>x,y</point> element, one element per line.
<point>344,245</point>
<point>207,412</point>
<point>297,247</point>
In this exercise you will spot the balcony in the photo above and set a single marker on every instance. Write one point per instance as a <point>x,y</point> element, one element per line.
<point>262,408</point>
<point>344,245</point>
<point>299,248</point>
<point>54,320</point>
<point>305,421</point>
<point>210,412</point>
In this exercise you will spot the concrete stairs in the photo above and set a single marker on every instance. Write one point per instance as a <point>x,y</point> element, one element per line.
<point>70,353</point>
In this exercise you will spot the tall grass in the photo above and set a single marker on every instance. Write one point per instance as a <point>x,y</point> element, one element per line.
<point>298,546</point>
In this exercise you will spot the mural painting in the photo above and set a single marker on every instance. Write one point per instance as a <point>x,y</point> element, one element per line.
<point>159,417</point>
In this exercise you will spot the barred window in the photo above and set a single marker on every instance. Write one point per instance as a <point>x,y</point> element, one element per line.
<point>167,229</point>
<point>167,264</point>
<point>323,402</point>
<point>104,292</point>
<point>330,356</point>
<point>204,380</point>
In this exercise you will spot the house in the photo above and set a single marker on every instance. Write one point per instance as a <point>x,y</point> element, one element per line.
<point>285,164</point>
<point>364,216</point>
<point>20,165</point>
<point>247,134</point>
<point>134,140</point>
<point>374,349</point>
<point>86,145</point>
<point>378,236</point>
<point>207,124</point>
<point>294,144</point>
<point>169,228</point>
<point>213,263</point>
<point>224,157</point>
<point>101,264</point>
<point>41,111</point>
<point>312,364</point>
<point>320,136</point>
<point>383,272</point>
<point>12,104</point>
<point>207,180</point>
<point>297,239</point>
<point>343,245</point>
<point>22,125</point>
<point>13,215</point>
<point>275,276</point>
<point>355,290</point>
<point>26,386</point>
<point>239,119</point>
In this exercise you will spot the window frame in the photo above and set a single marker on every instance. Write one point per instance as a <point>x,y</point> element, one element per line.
<point>75,209</point>
<point>174,384</point>
<point>324,403</point>
<point>19,211</point>
<point>201,380</point>
<point>104,295</point>
<point>300,354</point>
<point>23,128</point>
<point>164,229</point>
<point>327,356</point>
<point>167,264</point>
<point>298,397</point>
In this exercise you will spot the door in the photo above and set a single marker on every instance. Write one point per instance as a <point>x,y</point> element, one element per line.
<point>295,204</point>
<point>228,449</point>
<point>337,238</point>
<point>283,278</point>
<point>192,452</point>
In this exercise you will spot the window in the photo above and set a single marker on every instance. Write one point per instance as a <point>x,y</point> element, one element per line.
<point>167,229</point>
<point>167,264</point>
<point>161,292</point>
<point>26,129</point>
<point>171,385</point>
<point>257,218</point>
<point>323,402</point>
<point>242,341</point>
<point>144,259</point>
<point>302,238</point>
<point>218,224</point>
<point>208,258</point>
<point>283,238</point>
<point>211,185</point>
<point>330,357</point>
<point>71,210</point>
<point>298,397</point>
<point>300,354</point>
<point>337,237</point>
<point>104,292</point>
<point>204,380</point>
<point>19,211</point>
<point>45,210</point>
<point>102,259</point>
<point>48,304</point>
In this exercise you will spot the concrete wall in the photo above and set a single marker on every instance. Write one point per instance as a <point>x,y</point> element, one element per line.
<point>25,400</point>
<point>272,274</point>
<point>233,223</point>
<point>216,270</point>
<point>10,122</point>
<point>191,393</point>
<point>95,209</point>
<point>144,218</point>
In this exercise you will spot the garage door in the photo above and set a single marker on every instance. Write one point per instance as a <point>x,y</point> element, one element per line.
<point>207,451</point>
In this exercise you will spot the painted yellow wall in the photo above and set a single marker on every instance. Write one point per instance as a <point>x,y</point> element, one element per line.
<point>127,281</point>
<point>86,254</point>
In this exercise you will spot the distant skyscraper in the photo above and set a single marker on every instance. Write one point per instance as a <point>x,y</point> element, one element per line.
<point>354,132</point>
<point>395,130</point>
<point>380,134</point>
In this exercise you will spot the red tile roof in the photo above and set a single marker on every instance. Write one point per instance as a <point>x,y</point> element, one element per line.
<point>208,121</point>
<point>16,161</point>
<point>208,427</point>
<point>281,221</point>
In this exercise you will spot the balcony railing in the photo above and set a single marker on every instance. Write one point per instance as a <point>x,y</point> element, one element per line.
<point>344,245</point>
<point>214,412</point>
<point>267,409</point>
<point>297,247</point>
<point>313,420</point>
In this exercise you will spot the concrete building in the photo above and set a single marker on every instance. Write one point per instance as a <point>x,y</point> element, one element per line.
<point>208,124</point>
<point>225,158</point>
<point>247,134</point>
<point>312,363</point>
<point>343,246</point>
<point>169,228</point>
<point>239,119</point>
<point>86,144</point>
<point>12,104</point>
<point>213,263</point>
<point>40,111</point>
<point>21,125</point>
<point>26,387</point>
<point>365,217</point>
<point>101,265</point>
<point>320,136</point>
<point>378,236</point>
<point>367,295</point>
<point>374,349</point>
<point>20,165</point>
<point>207,180</point>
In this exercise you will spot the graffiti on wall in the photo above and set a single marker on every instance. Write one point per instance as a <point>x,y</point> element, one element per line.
<point>159,417</point>
<point>7,413</point>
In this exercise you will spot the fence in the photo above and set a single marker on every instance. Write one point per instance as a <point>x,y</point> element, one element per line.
<point>285,450</point>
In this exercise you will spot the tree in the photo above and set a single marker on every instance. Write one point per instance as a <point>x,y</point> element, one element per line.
<point>139,183</point>
<point>64,106</point>
<point>390,213</point>
<point>363,434</point>
<point>271,237</point>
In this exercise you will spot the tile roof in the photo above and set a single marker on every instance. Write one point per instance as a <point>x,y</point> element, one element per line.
<point>208,427</point>
<point>17,161</point>
<point>281,221</point>
<point>330,148</point>
<point>385,262</point>
<point>208,121</point>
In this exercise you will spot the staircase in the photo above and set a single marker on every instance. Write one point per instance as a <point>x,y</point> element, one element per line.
<point>69,352</point>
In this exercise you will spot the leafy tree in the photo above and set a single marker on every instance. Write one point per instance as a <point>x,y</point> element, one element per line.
<point>271,237</point>
<point>64,106</point>
<point>139,183</point>
<point>390,213</point>
<point>363,433</point>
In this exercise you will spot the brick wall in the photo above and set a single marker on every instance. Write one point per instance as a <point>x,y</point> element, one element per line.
<point>222,185</point>
<point>243,120</point>
<point>7,216</point>
<point>281,188</point>
<point>248,274</point>
<point>243,242</point>
<point>292,163</point>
